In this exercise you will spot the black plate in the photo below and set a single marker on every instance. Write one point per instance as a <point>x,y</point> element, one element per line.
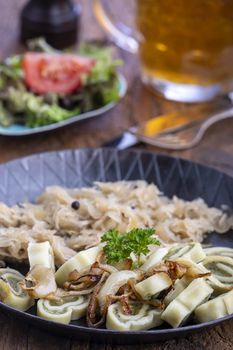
<point>26,178</point>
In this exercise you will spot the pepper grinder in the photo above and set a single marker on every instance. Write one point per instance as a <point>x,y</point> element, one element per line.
<point>55,20</point>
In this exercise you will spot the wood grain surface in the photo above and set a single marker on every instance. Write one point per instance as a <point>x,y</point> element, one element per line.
<point>140,104</point>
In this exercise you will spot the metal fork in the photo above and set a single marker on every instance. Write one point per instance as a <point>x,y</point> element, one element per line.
<point>185,138</point>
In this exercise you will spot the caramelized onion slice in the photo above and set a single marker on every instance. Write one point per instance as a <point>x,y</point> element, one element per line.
<point>79,262</point>
<point>113,284</point>
<point>39,282</point>
<point>61,293</point>
<point>193,270</point>
<point>95,316</point>
<point>88,278</point>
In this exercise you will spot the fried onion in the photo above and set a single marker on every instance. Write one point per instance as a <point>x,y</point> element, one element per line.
<point>39,282</point>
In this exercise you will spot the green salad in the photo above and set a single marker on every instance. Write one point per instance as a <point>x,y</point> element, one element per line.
<point>45,86</point>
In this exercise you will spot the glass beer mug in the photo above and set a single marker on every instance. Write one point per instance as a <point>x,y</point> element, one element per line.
<point>185,47</point>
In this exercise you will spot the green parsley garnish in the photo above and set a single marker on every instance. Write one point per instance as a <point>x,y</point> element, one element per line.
<point>120,246</point>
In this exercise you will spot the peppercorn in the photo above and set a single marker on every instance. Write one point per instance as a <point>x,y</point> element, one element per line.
<point>75,205</point>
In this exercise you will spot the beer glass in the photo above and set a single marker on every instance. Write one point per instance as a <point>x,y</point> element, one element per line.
<point>185,46</point>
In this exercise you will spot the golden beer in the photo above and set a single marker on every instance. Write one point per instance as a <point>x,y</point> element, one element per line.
<point>186,41</point>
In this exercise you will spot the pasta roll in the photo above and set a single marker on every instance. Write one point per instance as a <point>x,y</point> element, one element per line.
<point>71,308</point>
<point>154,258</point>
<point>179,310</point>
<point>143,317</point>
<point>78,262</point>
<point>221,268</point>
<point>215,308</point>
<point>201,269</point>
<point>153,285</point>
<point>178,287</point>
<point>11,292</point>
<point>223,251</point>
<point>7,270</point>
<point>192,251</point>
<point>41,254</point>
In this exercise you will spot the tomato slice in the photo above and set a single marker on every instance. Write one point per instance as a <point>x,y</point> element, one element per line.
<point>57,73</point>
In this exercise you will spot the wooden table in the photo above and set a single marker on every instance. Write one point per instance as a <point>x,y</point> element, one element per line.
<point>215,150</point>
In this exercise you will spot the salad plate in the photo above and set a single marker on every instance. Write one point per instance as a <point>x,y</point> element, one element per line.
<point>17,129</point>
<point>80,168</point>
<point>44,89</point>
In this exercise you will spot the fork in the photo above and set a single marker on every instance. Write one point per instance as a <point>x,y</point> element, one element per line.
<point>185,138</point>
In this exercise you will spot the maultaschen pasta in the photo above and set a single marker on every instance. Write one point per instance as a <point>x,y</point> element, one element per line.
<point>171,285</point>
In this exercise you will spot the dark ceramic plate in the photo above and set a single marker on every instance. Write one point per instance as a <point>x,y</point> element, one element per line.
<point>26,178</point>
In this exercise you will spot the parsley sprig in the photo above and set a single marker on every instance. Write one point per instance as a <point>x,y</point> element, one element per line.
<point>120,246</point>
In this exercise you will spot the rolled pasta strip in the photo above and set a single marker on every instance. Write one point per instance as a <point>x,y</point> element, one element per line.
<point>11,292</point>
<point>178,287</point>
<point>179,310</point>
<point>215,308</point>
<point>41,254</point>
<point>78,262</point>
<point>200,269</point>
<point>221,268</point>
<point>192,251</point>
<point>154,258</point>
<point>70,308</point>
<point>113,284</point>
<point>153,285</point>
<point>143,317</point>
<point>7,270</point>
<point>228,300</point>
<point>223,251</point>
